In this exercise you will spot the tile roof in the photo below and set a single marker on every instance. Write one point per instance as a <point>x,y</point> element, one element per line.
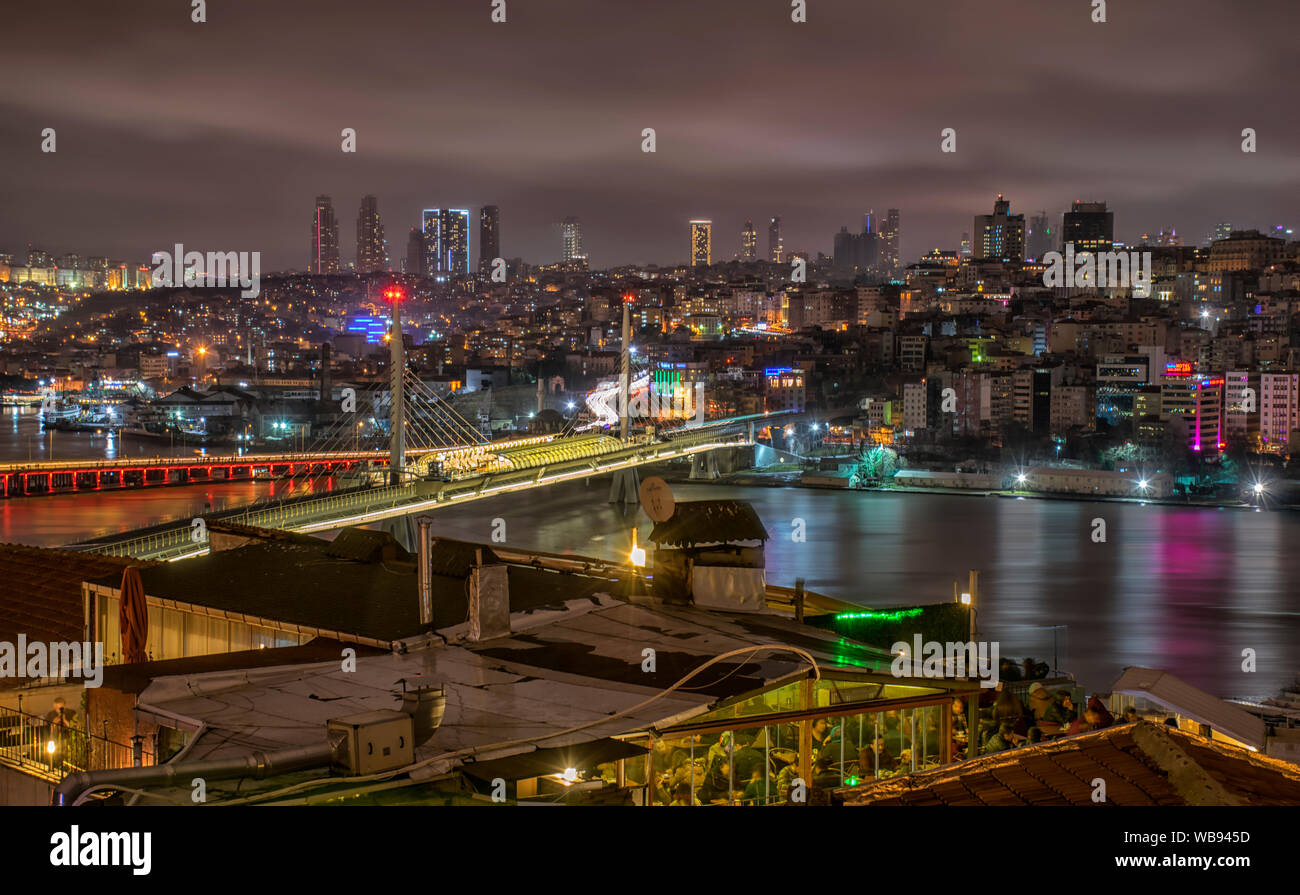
<point>41,592</point>
<point>709,522</point>
<point>366,597</point>
<point>1141,764</point>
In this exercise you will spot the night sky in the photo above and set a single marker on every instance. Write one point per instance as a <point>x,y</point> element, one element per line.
<point>220,135</point>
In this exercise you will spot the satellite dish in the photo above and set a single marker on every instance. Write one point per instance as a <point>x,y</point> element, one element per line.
<point>657,499</point>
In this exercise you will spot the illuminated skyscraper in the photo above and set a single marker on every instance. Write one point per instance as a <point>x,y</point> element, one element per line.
<point>701,243</point>
<point>372,248</point>
<point>889,236</point>
<point>446,242</point>
<point>749,242</point>
<point>324,257</point>
<point>571,237</point>
<point>455,247</point>
<point>1089,226</point>
<point>775,245</point>
<point>1000,235</point>
<point>489,237</point>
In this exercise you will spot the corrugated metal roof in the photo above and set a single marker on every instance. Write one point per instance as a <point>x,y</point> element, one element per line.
<point>1183,699</point>
<point>709,522</point>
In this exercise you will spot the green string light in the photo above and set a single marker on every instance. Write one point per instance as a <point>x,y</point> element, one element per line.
<point>882,615</point>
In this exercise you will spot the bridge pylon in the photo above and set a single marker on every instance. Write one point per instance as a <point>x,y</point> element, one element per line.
<point>625,487</point>
<point>704,466</point>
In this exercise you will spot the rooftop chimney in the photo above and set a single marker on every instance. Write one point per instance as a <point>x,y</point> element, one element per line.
<point>424,574</point>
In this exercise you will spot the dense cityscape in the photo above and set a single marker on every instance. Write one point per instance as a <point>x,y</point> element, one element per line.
<point>962,356</point>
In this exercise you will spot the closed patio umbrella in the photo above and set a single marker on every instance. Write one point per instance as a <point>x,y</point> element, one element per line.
<point>134,617</point>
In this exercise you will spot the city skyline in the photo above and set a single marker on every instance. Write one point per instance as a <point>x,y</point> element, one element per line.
<point>568,243</point>
<point>1160,141</point>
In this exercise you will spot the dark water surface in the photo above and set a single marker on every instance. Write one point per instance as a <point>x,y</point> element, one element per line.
<point>1179,588</point>
<point>1183,589</point>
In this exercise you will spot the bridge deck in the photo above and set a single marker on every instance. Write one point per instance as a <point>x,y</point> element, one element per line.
<point>363,506</point>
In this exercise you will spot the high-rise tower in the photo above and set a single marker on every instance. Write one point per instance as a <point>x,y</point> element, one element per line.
<point>571,238</point>
<point>1089,226</point>
<point>775,245</point>
<point>749,242</point>
<point>489,237</point>
<point>889,244</point>
<point>1041,238</point>
<point>701,243</point>
<point>446,242</point>
<point>324,257</point>
<point>372,248</point>
<point>1000,235</point>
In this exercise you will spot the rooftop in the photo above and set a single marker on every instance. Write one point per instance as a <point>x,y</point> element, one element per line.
<point>41,596</point>
<point>359,586</point>
<point>709,522</point>
<point>1141,764</point>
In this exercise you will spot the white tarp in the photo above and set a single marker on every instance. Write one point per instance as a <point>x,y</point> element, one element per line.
<point>729,587</point>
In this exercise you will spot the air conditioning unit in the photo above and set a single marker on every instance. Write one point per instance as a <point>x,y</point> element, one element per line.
<point>372,742</point>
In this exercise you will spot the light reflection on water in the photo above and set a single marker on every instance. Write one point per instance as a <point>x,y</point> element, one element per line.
<point>1183,589</point>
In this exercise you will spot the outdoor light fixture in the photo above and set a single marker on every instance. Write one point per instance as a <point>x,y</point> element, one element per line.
<point>1020,478</point>
<point>637,554</point>
<point>51,747</point>
<point>1259,487</point>
<point>965,599</point>
<point>1142,484</point>
<point>570,775</point>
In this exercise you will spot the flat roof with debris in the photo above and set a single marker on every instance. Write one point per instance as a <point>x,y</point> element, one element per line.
<point>575,665</point>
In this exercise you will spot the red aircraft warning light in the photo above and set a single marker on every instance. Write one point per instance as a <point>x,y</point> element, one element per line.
<point>394,293</point>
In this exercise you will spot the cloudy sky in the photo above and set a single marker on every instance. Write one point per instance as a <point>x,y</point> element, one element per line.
<point>220,135</point>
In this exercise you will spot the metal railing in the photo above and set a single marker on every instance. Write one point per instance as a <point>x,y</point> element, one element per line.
<point>35,746</point>
<point>179,539</point>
